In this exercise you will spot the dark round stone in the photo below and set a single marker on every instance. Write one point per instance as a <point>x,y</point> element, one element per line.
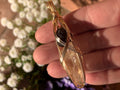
<point>62,34</point>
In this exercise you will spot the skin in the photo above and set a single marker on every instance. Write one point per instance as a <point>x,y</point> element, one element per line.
<point>96,31</point>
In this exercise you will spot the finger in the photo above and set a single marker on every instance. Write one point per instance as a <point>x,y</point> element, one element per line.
<point>98,78</point>
<point>94,62</point>
<point>56,70</point>
<point>45,54</point>
<point>45,33</point>
<point>97,40</point>
<point>103,77</point>
<point>92,17</point>
<point>95,16</point>
<point>102,60</point>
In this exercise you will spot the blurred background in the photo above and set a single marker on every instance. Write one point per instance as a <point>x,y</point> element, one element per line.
<point>45,82</point>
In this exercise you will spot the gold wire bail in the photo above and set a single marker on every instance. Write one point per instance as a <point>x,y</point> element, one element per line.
<point>51,7</point>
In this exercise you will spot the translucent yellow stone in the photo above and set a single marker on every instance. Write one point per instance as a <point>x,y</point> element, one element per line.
<point>72,63</point>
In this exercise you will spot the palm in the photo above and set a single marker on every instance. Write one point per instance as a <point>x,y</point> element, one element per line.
<point>96,33</point>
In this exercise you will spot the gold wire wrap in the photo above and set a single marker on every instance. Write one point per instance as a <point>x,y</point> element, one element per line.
<point>70,58</point>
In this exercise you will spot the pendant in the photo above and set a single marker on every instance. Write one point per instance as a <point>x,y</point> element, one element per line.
<point>70,57</point>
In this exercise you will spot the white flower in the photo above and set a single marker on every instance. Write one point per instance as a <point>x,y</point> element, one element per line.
<point>24,2</point>
<point>14,76</point>
<point>16,31</point>
<point>3,87</point>
<point>24,58</point>
<point>31,44</point>
<point>29,16</point>
<point>44,14</point>
<point>11,1</point>
<point>35,5</point>
<point>27,67</point>
<point>26,9</point>
<point>18,64</point>
<point>56,2</point>
<point>43,7</point>
<point>14,7</point>
<point>20,1</point>
<point>2,77</point>
<point>13,52</point>
<point>1,61</point>
<point>2,69</point>
<point>12,82</point>
<point>7,60</point>
<point>22,34</point>
<point>35,12</point>
<point>29,57</point>
<point>28,29</point>
<point>3,42</point>
<point>30,4</point>
<point>1,49</point>
<point>40,1</point>
<point>18,43</point>
<point>22,14</point>
<point>39,19</point>
<point>3,21</point>
<point>9,25</point>
<point>15,89</point>
<point>18,21</point>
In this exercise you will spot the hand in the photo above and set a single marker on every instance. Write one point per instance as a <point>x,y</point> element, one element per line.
<point>96,31</point>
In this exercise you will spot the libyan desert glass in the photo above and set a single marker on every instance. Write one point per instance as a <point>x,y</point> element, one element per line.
<point>70,58</point>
